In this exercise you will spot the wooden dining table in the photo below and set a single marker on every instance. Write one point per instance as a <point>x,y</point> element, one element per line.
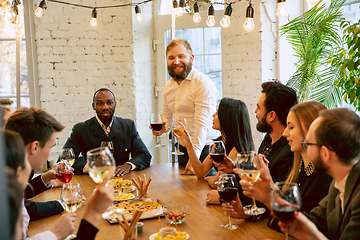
<point>169,186</point>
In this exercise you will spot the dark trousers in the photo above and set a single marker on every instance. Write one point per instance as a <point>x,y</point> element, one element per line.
<point>183,159</point>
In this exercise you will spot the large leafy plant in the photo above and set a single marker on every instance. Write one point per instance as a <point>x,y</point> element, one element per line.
<point>315,39</point>
<point>348,61</point>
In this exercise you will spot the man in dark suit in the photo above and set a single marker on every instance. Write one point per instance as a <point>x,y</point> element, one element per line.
<point>333,144</point>
<point>38,130</point>
<point>107,127</point>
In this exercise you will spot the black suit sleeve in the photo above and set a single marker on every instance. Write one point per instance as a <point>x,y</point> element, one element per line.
<point>75,142</point>
<point>141,156</point>
<point>86,231</point>
<point>39,210</point>
<point>35,186</point>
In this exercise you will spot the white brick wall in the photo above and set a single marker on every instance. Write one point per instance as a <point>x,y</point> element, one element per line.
<point>75,59</point>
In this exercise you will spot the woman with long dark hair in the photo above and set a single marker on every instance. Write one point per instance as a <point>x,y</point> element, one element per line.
<point>233,121</point>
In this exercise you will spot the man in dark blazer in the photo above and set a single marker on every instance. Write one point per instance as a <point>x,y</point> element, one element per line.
<point>333,144</point>
<point>38,129</point>
<point>107,127</point>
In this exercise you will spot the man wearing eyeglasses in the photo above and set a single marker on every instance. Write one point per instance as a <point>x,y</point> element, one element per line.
<point>333,144</point>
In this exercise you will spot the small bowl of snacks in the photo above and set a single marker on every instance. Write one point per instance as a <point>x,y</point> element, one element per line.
<point>176,213</point>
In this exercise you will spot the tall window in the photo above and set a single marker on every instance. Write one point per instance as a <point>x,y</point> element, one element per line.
<point>206,46</point>
<point>8,83</point>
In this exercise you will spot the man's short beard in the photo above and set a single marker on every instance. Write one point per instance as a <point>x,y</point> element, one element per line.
<point>183,74</point>
<point>319,166</point>
<point>263,126</point>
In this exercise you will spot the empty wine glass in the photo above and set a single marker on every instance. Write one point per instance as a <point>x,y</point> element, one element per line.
<point>157,124</point>
<point>68,155</point>
<point>109,145</point>
<point>100,161</point>
<point>71,199</point>
<point>227,188</point>
<point>217,151</point>
<point>285,199</point>
<point>249,170</point>
<point>178,131</point>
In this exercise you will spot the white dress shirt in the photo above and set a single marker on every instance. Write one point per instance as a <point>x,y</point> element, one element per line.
<point>341,187</point>
<point>47,235</point>
<point>195,100</point>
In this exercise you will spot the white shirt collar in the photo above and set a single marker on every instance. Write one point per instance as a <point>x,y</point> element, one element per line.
<point>106,129</point>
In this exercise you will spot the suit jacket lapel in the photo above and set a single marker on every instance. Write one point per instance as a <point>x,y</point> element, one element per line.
<point>115,128</point>
<point>334,211</point>
<point>97,129</point>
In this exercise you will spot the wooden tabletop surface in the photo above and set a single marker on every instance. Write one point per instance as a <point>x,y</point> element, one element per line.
<point>169,186</point>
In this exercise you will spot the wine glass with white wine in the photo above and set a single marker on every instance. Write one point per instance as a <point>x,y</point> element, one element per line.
<point>100,161</point>
<point>109,145</point>
<point>68,155</point>
<point>248,168</point>
<point>178,130</point>
<point>71,199</point>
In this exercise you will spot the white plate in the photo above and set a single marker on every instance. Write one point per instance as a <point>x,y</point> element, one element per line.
<point>152,236</point>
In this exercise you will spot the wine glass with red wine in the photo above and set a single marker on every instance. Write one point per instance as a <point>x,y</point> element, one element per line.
<point>217,151</point>
<point>157,124</point>
<point>63,171</point>
<point>227,188</point>
<point>285,200</point>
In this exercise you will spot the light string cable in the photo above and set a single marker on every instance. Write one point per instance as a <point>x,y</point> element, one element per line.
<point>110,6</point>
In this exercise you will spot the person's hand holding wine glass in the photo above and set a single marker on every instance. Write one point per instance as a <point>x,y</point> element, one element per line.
<point>64,171</point>
<point>248,168</point>
<point>228,189</point>
<point>158,127</point>
<point>178,127</point>
<point>285,200</point>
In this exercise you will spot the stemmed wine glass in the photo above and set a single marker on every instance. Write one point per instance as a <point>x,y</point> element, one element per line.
<point>227,188</point>
<point>71,199</point>
<point>249,170</point>
<point>285,199</point>
<point>63,171</point>
<point>100,161</point>
<point>109,145</point>
<point>157,124</point>
<point>68,155</point>
<point>178,130</point>
<point>217,151</point>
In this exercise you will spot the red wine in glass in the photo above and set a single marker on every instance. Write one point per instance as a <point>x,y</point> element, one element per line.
<point>65,177</point>
<point>227,194</point>
<point>157,126</point>
<point>217,157</point>
<point>285,214</point>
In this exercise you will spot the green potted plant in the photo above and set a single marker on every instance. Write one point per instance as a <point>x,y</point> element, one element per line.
<point>315,39</point>
<point>348,62</point>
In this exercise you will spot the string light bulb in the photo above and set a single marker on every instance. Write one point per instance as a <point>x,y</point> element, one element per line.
<point>138,13</point>
<point>19,6</point>
<point>282,10</point>
<point>93,21</point>
<point>249,22</point>
<point>7,15</point>
<point>181,8</point>
<point>225,21</point>
<point>39,12</point>
<point>211,19</point>
<point>196,16</point>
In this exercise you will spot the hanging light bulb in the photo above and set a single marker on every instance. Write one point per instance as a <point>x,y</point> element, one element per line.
<point>181,8</point>
<point>225,21</point>
<point>249,22</point>
<point>211,19</point>
<point>312,1</point>
<point>175,8</point>
<point>39,12</point>
<point>93,21</point>
<point>196,16</point>
<point>138,13</point>
<point>282,10</point>
<point>8,14</point>
<point>19,6</point>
